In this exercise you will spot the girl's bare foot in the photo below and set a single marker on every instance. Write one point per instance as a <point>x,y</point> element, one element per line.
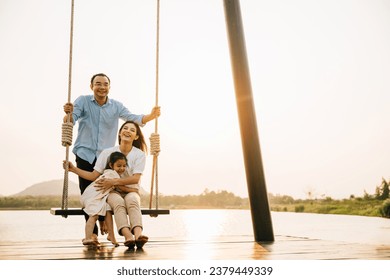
<point>95,238</point>
<point>90,242</point>
<point>113,240</point>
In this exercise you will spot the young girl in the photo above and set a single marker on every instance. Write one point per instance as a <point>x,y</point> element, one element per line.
<point>94,203</point>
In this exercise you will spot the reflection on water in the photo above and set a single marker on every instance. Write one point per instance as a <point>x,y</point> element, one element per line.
<point>92,252</point>
<point>201,226</point>
<point>356,229</point>
<point>204,226</point>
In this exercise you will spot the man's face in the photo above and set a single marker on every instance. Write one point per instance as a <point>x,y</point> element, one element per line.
<point>100,87</point>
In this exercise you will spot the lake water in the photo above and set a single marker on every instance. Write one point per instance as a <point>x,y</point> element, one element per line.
<point>202,225</point>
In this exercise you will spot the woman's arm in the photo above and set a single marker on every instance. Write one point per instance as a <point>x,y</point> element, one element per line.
<point>91,176</point>
<point>125,189</point>
<point>107,183</point>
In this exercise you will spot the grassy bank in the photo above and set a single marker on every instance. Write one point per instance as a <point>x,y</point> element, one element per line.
<point>345,207</point>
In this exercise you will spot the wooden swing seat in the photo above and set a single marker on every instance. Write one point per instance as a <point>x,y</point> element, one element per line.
<point>79,211</point>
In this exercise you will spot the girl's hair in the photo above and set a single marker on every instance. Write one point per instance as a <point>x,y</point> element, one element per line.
<point>138,143</point>
<point>113,158</point>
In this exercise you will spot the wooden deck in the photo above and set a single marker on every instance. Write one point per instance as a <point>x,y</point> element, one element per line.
<point>234,248</point>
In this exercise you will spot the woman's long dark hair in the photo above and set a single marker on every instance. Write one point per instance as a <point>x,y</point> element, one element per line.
<point>138,143</point>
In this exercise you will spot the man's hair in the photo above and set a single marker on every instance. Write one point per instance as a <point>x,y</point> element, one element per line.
<point>100,75</point>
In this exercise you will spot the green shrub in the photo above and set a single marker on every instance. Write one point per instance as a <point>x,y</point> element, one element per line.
<point>385,209</point>
<point>300,208</point>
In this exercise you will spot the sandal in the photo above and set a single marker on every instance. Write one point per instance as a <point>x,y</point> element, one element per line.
<point>130,244</point>
<point>141,240</point>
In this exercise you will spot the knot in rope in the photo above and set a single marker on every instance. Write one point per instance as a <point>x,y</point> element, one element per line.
<point>155,144</point>
<point>67,134</point>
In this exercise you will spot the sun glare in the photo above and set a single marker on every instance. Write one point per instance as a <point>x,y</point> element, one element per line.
<point>201,227</point>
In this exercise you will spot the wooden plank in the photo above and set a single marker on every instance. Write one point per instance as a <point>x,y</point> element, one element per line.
<point>218,248</point>
<point>79,211</point>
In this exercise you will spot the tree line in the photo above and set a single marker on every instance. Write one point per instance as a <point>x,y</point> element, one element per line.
<point>207,199</point>
<point>377,204</point>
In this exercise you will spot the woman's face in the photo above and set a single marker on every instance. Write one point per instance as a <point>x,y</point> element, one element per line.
<point>128,132</point>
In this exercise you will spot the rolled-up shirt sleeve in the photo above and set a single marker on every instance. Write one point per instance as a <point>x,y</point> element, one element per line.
<point>78,106</point>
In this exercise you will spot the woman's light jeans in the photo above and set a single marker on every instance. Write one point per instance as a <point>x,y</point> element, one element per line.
<point>123,205</point>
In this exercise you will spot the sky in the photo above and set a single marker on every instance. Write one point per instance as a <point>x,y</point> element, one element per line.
<point>320,83</point>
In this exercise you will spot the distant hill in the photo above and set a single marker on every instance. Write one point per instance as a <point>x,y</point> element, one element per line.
<point>53,187</point>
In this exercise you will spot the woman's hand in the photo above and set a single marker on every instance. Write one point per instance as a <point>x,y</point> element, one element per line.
<point>71,167</point>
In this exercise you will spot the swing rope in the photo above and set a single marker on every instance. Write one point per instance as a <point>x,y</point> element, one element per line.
<point>67,128</point>
<point>155,137</point>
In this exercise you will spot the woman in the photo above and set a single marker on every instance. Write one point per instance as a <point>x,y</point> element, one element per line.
<point>124,198</point>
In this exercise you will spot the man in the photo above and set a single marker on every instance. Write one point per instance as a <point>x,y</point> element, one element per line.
<point>98,118</point>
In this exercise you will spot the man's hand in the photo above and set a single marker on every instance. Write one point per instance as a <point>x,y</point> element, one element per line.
<point>156,112</point>
<point>68,108</point>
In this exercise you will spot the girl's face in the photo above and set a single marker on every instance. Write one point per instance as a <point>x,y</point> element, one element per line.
<point>129,132</point>
<point>119,166</point>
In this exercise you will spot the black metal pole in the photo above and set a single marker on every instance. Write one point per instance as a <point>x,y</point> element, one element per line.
<point>261,215</point>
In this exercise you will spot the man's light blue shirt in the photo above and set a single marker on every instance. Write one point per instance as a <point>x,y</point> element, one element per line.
<point>98,125</point>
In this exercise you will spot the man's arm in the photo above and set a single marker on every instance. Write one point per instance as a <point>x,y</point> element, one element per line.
<point>156,112</point>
